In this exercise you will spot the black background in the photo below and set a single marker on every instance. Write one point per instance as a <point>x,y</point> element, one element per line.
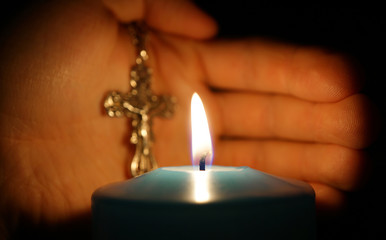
<point>358,32</point>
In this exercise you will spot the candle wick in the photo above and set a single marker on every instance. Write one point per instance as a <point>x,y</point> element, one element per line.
<point>202,162</point>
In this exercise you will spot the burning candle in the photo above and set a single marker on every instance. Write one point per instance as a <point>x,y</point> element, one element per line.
<point>204,201</point>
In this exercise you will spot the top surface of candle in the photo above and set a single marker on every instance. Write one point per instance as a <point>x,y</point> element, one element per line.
<point>218,185</point>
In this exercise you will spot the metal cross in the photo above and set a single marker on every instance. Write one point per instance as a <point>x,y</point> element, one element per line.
<point>141,105</point>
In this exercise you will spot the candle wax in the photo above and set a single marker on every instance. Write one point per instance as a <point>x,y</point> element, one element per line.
<point>221,202</point>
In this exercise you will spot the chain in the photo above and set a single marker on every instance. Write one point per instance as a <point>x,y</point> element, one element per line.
<point>138,32</point>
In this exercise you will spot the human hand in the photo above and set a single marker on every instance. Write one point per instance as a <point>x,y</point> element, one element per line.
<point>58,146</point>
<point>58,61</point>
<point>290,111</point>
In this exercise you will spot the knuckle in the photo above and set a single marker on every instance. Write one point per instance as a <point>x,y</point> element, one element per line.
<point>350,167</point>
<point>336,76</point>
<point>356,121</point>
<point>344,75</point>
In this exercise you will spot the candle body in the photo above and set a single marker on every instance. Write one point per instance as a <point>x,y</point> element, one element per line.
<point>223,202</point>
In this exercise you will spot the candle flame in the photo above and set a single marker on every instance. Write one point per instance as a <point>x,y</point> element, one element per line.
<point>201,139</point>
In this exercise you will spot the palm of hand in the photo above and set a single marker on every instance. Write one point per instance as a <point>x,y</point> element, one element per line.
<point>62,145</point>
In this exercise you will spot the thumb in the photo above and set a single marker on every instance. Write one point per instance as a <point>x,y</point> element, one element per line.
<point>180,17</point>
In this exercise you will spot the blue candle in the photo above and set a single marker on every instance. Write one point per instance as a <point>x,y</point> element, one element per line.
<point>223,202</point>
<point>204,201</point>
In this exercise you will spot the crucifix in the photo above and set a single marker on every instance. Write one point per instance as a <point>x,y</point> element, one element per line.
<point>141,105</point>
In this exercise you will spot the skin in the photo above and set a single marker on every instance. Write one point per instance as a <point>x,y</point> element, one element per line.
<point>288,110</point>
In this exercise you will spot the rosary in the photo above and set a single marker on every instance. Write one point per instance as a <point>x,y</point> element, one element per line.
<point>140,104</point>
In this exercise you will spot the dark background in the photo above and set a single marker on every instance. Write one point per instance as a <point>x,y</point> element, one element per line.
<point>358,32</point>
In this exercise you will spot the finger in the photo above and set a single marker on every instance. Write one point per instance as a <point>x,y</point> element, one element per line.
<point>257,65</point>
<point>328,199</point>
<point>333,165</point>
<point>180,17</point>
<point>348,122</point>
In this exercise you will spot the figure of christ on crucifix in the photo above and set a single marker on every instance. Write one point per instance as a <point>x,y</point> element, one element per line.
<point>141,106</point>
